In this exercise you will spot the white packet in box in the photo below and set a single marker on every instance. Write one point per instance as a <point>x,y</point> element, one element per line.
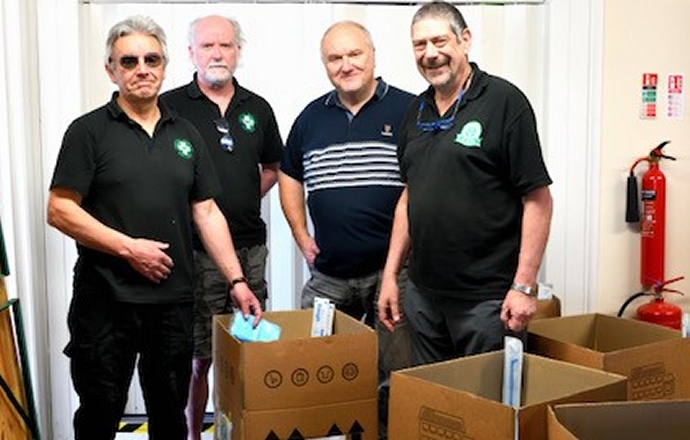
<point>512,376</point>
<point>322,319</point>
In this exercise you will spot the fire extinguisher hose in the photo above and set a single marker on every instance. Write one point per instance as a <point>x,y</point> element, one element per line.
<point>627,302</point>
<point>632,205</point>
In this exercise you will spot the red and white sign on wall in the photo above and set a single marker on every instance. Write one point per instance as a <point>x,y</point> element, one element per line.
<point>675,96</point>
<point>649,95</point>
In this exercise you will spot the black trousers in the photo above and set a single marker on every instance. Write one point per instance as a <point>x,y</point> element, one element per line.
<point>449,327</point>
<point>106,338</point>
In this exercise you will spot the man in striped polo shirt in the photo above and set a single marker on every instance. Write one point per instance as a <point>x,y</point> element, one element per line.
<point>340,161</point>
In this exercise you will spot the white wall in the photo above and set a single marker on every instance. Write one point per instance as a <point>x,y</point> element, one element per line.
<point>652,38</point>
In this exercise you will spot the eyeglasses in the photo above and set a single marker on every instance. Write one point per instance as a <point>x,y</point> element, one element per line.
<point>226,142</point>
<point>441,124</point>
<point>130,62</point>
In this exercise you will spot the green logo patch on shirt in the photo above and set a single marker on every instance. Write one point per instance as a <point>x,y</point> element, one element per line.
<point>471,135</point>
<point>184,148</point>
<point>248,122</point>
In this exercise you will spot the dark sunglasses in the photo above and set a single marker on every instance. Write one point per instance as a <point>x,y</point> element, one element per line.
<point>223,127</point>
<point>130,62</point>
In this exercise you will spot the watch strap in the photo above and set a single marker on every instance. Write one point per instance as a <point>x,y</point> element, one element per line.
<point>524,288</point>
<point>236,281</point>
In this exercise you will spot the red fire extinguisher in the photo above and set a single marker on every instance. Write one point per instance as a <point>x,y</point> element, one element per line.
<point>653,236</point>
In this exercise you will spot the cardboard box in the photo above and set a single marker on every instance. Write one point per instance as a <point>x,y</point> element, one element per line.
<point>653,357</point>
<point>299,386</point>
<point>656,420</point>
<point>548,308</point>
<point>461,399</point>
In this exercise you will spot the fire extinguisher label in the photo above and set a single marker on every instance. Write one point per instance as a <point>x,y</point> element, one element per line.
<point>648,102</point>
<point>648,194</point>
<point>647,229</point>
<point>675,96</point>
<point>648,223</point>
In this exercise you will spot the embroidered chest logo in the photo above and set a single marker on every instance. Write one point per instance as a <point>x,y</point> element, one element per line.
<point>248,122</point>
<point>184,148</point>
<point>470,136</point>
<point>387,130</point>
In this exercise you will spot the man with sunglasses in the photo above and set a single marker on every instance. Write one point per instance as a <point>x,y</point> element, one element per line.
<point>341,148</point>
<point>244,144</point>
<point>130,181</point>
<point>476,209</point>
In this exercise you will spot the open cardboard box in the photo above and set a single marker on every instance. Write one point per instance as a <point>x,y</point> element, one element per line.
<point>655,420</point>
<point>461,398</point>
<point>656,359</point>
<point>298,386</point>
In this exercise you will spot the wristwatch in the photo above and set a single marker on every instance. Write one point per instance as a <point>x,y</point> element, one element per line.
<point>524,288</point>
<point>236,281</point>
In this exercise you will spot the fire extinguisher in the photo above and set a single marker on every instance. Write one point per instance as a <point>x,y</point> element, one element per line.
<point>653,235</point>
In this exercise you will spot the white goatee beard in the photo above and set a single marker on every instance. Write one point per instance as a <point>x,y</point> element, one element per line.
<point>217,77</point>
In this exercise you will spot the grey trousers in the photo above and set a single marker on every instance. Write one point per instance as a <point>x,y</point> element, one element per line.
<point>358,297</point>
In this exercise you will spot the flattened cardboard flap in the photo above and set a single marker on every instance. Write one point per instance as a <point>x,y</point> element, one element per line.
<point>658,420</point>
<point>601,333</point>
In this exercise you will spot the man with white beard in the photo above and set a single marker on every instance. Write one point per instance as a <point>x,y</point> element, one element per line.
<point>241,134</point>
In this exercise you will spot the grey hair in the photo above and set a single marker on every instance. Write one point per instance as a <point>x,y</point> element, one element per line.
<point>136,24</point>
<point>440,9</point>
<point>364,30</point>
<point>239,36</point>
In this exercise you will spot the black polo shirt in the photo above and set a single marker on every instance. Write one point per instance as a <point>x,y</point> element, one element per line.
<point>465,187</point>
<point>257,140</point>
<point>142,186</point>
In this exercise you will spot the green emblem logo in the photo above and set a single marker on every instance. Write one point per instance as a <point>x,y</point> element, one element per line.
<point>470,135</point>
<point>184,148</point>
<point>248,122</point>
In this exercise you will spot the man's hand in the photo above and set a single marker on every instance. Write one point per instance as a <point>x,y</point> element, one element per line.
<point>389,311</point>
<point>244,299</point>
<point>149,259</point>
<point>518,309</point>
<point>309,249</point>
